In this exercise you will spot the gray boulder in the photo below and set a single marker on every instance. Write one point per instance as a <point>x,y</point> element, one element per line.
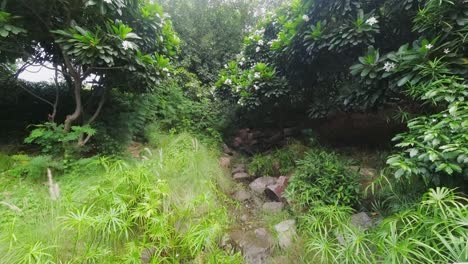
<point>273,207</point>
<point>242,195</point>
<point>361,220</point>
<point>260,184</point>
<point>286,233</point>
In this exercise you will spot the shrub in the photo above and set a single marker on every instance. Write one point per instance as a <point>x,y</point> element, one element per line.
<point>435,147</point>
<point>54,140</point>
<point>171,107</point>
<point>323,177</point>
<point>32,167</point>
<point>167,205</point>
<point>281,161</point>
<point>431,231</point>
<point>5,162</point>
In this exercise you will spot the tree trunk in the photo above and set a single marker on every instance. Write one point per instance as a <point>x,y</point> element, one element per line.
<point>78,106</point>
<point>82,140</point>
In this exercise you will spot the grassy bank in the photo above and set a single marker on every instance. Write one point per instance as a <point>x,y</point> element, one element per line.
<point>166,207</point>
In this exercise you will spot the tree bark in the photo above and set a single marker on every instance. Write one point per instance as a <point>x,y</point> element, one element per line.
<point>82,140</point>
<point>78,106</point>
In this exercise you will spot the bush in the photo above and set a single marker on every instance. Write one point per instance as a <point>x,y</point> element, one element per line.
<point>170,106</point>
<point>323,178</point>
<point>279,162</point>
<point>435,147</point>
<point>430,231</point>
<point>54,140</point>
<point>32,167</point>
<point>5,162</point>
<point>167,205</point>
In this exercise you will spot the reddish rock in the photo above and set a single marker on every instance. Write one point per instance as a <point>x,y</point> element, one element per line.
<point>276,191</point>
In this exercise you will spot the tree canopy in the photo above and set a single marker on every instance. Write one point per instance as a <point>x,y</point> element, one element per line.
<point>122,44</point>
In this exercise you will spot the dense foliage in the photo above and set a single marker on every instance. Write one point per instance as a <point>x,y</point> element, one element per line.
<point>303,55</point>
<point>431,231</point>
<point>97,45</point>
<point>215,39</point>
<point>165,208</point>
<point>122,163</point>
<point>322,177</point>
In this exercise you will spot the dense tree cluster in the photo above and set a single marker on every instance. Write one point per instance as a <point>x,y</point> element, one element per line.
<point>360,56</point>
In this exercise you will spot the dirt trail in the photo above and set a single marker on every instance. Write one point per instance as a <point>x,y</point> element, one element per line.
<point>260,242</point>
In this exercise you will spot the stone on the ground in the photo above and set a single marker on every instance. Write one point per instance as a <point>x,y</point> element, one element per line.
<point>273,207</point>
<point>361,220</point>
<point>260,184</point>
<point>280,260</point>
<point>368,173</point>
<point>239,168</point>
<point>258,201</point>
<point>255,245</point>
<point>225,162</point>
<point>227,150</point>
<point>286,233</point>
<point>242,195</point>
<point>241,176</point>
<point>147,254</point>
<point>289,132</point>
<point>263,234</point>
<point>275,191</point>
<point>340,239</point>
<point>244,218</point>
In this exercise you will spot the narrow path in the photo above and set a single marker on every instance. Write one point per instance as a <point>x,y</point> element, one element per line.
<point>260,242</point>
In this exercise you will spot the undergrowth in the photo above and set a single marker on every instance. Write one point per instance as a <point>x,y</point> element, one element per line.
<point>279,162</point>
<point>166,207</point>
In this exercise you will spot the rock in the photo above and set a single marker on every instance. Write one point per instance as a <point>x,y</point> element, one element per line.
<point>242,195</point>
<point>227,150</point>
<point>280,260</point>
<point>275,191</point>
<point>244,218</point>
<point>255,245</point>
<point>239,168</point>
<point>241,176</point>
<point>147,254</point>
<point>258,201</point>
<point>237,142</point>
<point>263,234</point>
<point>340,239</point>
<point>361,220</point>
<point>256,253</point>
<point>274,138</point>
<point>260,184</point>
<point>368,173</point>
<point>225,162</point>
<point>273,207</point>
<point>289,132</point>
<point>286,233</point>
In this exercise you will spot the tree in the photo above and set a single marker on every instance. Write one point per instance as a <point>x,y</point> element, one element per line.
<point>93,44</point>
<point>211,32</point>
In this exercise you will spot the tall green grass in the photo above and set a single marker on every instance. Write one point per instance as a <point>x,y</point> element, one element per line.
<point>167,206</point>
<point>430,232</point>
